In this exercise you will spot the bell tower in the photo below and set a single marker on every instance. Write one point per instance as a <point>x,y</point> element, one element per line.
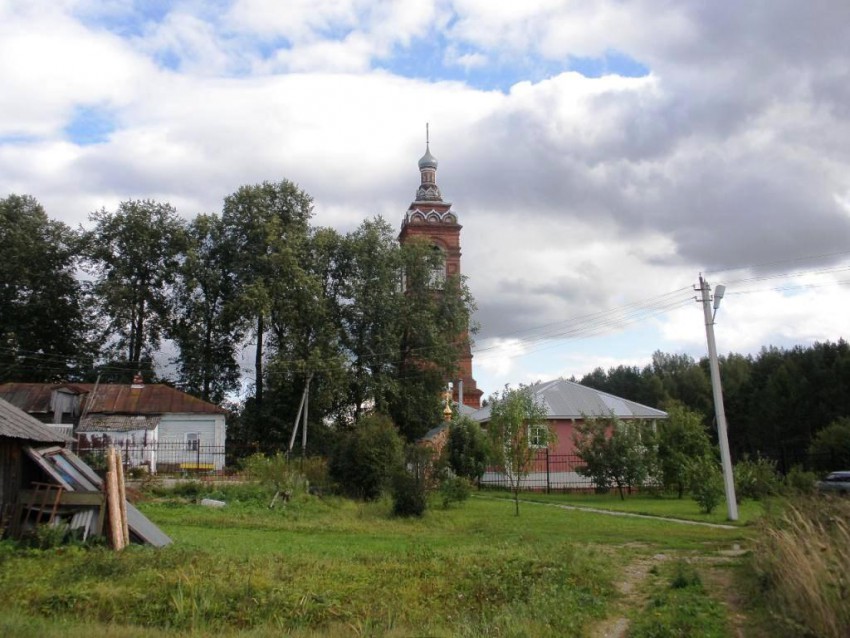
<point>431,218</point>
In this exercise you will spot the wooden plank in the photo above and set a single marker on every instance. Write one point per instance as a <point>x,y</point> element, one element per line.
<point>70,498</point>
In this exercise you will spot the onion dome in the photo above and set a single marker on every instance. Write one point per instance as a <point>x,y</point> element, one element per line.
<point>428,160</point>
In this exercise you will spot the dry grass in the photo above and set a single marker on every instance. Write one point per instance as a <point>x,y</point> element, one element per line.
<point>802,559</point>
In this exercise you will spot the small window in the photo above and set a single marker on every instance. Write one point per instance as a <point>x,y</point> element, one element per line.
<point>193,441</point>
<point>538,436</point>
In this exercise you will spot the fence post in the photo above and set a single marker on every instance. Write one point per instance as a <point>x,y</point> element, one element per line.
<point>548,482</point>
<point>198,462</point>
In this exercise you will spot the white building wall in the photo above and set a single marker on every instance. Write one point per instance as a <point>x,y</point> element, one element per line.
<point>177,433</point>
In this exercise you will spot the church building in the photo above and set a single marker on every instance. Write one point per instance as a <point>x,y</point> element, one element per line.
<point>432,218</point>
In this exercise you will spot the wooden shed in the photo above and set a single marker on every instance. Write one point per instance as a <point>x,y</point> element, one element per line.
<point>18,431</point>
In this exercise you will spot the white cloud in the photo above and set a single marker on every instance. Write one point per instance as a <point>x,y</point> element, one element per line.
<point>49,63</point>
<point>576,194</point>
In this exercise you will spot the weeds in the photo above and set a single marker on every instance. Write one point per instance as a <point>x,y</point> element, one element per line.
<point>681,608</point>
<point>802,561</point>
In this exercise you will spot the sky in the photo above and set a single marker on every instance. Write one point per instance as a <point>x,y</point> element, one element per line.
<point>600,154</point>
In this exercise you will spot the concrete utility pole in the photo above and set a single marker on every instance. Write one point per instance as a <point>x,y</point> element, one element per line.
<point>720,413</point>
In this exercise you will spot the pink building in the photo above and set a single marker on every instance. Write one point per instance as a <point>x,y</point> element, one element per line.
<point>567,405</point>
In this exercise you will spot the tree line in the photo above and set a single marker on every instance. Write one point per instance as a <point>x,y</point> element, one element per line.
<point>354,313</point>
<point>777,402</point>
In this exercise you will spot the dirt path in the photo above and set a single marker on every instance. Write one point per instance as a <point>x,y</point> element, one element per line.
<point>632,596</point>
<point>633,593</point>
<point>581,508</point>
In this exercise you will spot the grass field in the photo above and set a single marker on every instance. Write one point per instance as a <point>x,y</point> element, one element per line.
<point>337,567</point>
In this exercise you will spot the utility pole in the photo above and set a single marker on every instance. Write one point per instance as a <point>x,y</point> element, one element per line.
<point>720,413</point>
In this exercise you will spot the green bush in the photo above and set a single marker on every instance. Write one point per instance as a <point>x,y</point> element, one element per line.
<point>756,480</point>
<point>45,536</point>
<point>454,489</point>
<point>408,491</point>
<point>365,459</point>
<point>410,483</point>
<point>467,449</point>
<point>799,481</point>
<point>706,483</point>
<point>276,473</point>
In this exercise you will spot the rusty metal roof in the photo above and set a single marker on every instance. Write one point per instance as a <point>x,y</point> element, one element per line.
<point>17,424</point>
<point>110,398</point>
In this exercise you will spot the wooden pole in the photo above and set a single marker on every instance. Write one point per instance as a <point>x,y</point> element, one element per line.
<point>122,496</point>
<point>116,536</point>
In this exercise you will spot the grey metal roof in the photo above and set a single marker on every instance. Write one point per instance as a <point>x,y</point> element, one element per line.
<point>17,424</point>
<point>569,400</point>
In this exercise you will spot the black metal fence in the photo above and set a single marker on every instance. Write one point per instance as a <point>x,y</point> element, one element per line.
<point>549,473</point>
<point>167,457</point>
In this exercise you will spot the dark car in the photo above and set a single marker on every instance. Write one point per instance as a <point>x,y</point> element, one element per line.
<point>836,482</point>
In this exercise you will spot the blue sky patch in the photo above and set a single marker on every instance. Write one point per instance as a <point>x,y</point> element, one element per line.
<point>612,63</point>
<point>90,125</point>
<point>17,138</point>
<point>426,60</point>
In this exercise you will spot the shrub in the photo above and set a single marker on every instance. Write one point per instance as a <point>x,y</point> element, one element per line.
<point>276,473</point>
<point>756,479</point>
<point>410,483</point>
<point>408,491</point>
<point>467,449</point>
<point>706,483</point>
<point>454,489</point>
<point>799,481</point>
<point>681,437</point>
<point>366,459</point>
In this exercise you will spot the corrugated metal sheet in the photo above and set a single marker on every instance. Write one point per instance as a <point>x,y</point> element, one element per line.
<point>17,424</point>
<point>569,400</point>
<point>117,423</point>
<point>110,398</point>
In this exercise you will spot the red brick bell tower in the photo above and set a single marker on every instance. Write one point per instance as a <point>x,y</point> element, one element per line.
<point>432,218</point>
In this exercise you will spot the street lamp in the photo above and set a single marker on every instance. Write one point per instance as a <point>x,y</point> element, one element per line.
<point>720,413</point>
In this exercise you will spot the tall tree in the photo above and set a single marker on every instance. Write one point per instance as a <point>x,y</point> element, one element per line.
<point>206,325</point>
<point>433,326</point>
<point>44,325</point>
<point>267,226</point>
<point>371,271</point>
<point>682,438</point>
<point>134,254</point>
<point>305,359</point>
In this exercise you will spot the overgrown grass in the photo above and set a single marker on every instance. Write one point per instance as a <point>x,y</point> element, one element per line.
<point>338,567</point>
<point>650,505</point>
<point>680,607</point>
<point>802,563</point>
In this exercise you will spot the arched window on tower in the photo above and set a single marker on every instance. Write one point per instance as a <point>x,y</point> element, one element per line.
<point>437,278</point>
